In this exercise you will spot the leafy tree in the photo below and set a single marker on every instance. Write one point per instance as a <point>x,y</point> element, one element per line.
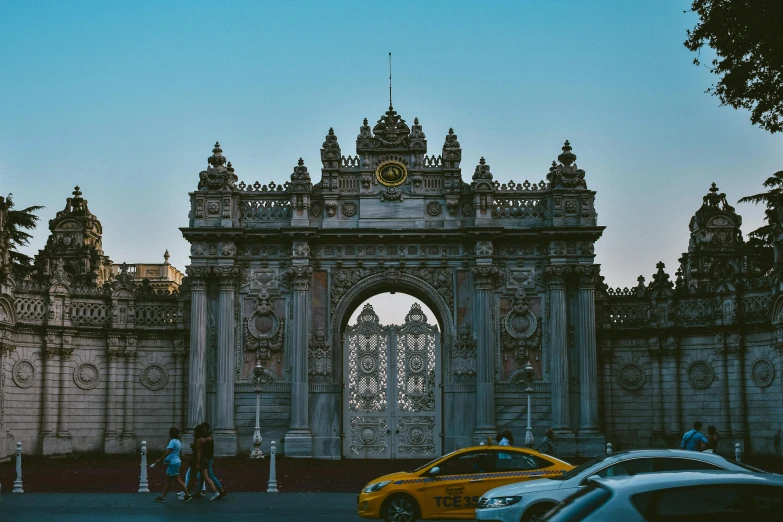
<point>762,239</point>
<point>747,37</point>
<point>17,221</point>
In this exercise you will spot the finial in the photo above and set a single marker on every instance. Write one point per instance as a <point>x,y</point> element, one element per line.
<point>301,161</point>
<point>229,167</point>
<point>553,167</point>
<point>217,148</point>
<point>415,121</point>
<point>166,257</point>
<point>660,265</point>
<point>714,188</point>
<point>451,130</point>
<point>365,122</point>
<point>640,279</point>
<point>482,161</point>
<point>76,192</point>
<point>567,157</point>
<point>331,130</point>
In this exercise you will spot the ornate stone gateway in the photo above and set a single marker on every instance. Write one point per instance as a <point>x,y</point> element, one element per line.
<point>392,401</point>
<point>506,269</point>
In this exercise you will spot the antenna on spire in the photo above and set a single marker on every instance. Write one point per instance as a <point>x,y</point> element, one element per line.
<point>390,83</point>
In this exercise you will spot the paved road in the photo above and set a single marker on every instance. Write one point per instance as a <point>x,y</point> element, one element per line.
<point>240,507</point>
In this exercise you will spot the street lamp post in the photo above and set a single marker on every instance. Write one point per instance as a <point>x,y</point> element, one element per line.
<point>258,372</point>
<point>529,373</point>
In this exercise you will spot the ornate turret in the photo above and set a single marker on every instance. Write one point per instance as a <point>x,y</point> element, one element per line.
<point>74,245</point>
<point>391,134</point>
<point>330,151</point>
<point>566,174</point>
<point>218,175</point>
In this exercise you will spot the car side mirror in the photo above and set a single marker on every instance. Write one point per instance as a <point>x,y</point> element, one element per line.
<point>434,471</point>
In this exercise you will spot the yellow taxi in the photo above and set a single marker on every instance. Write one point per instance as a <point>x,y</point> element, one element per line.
<point>449,486</point>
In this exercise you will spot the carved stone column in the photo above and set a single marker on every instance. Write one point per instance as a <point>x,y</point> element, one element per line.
<point>51,373</point>
<point>65,377</point>
<point>225,431</point>
<point>735,358</point>
<point>585,339</point>
<point>485,280</point>
<point>657,437</point>
<point>197,395</point>
<point>299,438</point>
<point>130,385</point>
<point>558,347</point>
<point>177,376</point>
<point>608,406</point>
<point>670,367</point>
<point>113,397</point>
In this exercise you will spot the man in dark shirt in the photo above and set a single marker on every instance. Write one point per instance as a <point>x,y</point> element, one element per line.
<point>209,454</point>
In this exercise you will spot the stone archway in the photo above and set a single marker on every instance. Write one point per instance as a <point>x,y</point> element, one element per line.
<point>400,428</point>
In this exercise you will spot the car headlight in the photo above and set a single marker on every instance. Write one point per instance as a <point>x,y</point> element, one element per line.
<point>497,502</point>
<point>372,488</point>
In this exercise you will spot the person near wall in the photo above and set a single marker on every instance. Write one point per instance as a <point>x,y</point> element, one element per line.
<point>548,444</point>
<point>173,462</point>
<point>694,440</point>
<point>199,461</point>
<point>712,440</point>
<point>209,454</point>
<point>506,438</point>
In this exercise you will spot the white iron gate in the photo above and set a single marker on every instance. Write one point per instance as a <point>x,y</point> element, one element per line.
<point>392,394</point>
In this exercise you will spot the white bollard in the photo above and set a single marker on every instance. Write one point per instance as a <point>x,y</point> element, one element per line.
<point>18,488</point>
<point>738,452</point>
<point>608,448</point>
<point>272,487</point>
<point>143,485</point>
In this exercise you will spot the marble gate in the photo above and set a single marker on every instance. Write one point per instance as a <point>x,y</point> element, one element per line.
<point>277,270</point>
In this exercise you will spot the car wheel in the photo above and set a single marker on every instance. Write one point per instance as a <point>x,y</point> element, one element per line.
<point>400,508</point>
<point>536,512</point>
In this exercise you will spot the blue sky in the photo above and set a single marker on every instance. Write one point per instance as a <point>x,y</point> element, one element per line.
<point>126,99</point>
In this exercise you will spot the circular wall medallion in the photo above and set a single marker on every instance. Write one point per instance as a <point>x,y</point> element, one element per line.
<point>391,173</point>
<point>23,373</point>
<point>700,374</point>
<point>349,209</point>
<point>762,372</point>
<point>87,376</point>
<point>434,208</point>
<point>263,325</point>
<point>631,376</point>
<point>520,326</point>
<point>154,376</point>
<point>367,435</point>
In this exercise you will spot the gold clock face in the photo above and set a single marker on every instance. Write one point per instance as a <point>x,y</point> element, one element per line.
<point>391,173</point>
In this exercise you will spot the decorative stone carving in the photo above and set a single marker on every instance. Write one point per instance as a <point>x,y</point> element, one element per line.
<point>520,328</point>
<point>320,357</point>
<point>464,357</point>
<point>434,208</point>
<point>228,250</point>
<point>315,209</point>
<point>154,376</point>
<point>762,372</point>
<point>87,376</point>
<point>484,248</point>
<point>301,249</point>
<point>349,209</point>
<point>264,328</point>
<point>23,373</point>
<point>218,175</point>
<point>631,376</point>
<point>700,374</point>
<point>300,277</point>
<point>331,207</point>
<point>487,277</point>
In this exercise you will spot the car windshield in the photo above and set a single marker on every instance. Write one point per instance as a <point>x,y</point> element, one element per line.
<point>750,468</point>
<point>579,469</point>
<point>430,463</point>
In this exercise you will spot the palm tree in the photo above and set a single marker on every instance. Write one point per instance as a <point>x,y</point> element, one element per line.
<point>763,238</point>
<point>16,222</point>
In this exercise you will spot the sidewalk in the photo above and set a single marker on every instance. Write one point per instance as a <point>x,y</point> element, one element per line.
<point>120,474</point>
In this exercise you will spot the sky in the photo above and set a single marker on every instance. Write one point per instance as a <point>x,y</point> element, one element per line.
<point>126,99</point>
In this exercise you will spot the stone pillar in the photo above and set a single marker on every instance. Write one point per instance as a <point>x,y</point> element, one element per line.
<point>671,384</point>
<point>586,348</point>
<point>657,437</point>
<point>130,385</point>
<point>608,407</point>
<point>197,396</point>
<point>113,398</point>
<point>299,438</point>
<point>65,378</point>
<point>51,372</point>
<point>225,432</point>
<point>735,358</point>
<point>176,376</point>
<point>558,348</point>
<point>485,280</point>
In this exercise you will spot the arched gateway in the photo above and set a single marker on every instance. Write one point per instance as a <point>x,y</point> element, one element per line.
<point>506,268</point>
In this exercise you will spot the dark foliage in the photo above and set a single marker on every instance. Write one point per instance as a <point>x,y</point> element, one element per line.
<point>17,222</point>
<point>747,37</point>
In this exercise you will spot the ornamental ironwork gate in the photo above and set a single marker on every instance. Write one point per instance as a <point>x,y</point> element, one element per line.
<point>392,404</point>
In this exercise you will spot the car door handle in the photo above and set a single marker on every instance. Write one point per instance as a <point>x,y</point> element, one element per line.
<point>476,480</point>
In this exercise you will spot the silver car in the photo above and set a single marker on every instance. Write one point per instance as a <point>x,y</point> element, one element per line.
<point>526,500</point>
<point>716,496</point>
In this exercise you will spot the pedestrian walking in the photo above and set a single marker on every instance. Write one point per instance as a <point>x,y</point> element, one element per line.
<point>200,462</point>
<point>173,462</point>
<point>506,438</point>
<point>209,454</point>
<point>712,440</point>
<point>548,444</point>
<point>693,439</point>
